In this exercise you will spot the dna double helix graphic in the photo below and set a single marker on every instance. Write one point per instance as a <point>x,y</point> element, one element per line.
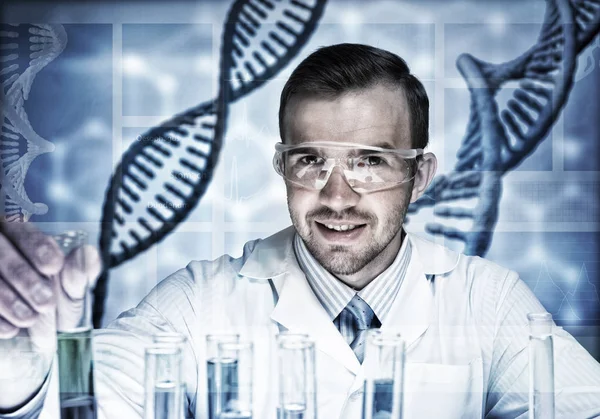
<point>498,139</point>
<point>163,175</point>
<point>24,51</point>
<point>588,60</point>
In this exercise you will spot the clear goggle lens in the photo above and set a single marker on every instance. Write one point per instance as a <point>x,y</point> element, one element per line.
<point>366,168</point>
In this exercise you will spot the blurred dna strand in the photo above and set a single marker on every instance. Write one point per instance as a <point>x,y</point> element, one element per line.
<point>498,139</point>
<point>589,60</point>
<point>164,174</point>
<point>24,51</point>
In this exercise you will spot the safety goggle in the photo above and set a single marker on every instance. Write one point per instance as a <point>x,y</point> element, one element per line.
<point>366,168</point>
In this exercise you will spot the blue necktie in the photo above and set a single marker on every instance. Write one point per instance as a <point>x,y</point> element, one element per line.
<point>364,319</point>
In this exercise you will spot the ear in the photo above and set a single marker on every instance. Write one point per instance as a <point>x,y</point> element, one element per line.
<point>426,167</point>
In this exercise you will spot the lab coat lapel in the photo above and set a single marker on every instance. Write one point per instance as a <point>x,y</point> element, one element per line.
<point>410,313</point>
<point>299,310</point>
<point>412,309</point>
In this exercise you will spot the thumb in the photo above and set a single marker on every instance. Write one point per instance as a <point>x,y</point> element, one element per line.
<point>82,267</point>
<point>79,273</point>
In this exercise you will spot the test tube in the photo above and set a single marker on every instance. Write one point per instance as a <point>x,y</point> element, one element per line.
<point>234,379</point>
<point>212,342</point>
<point>287,335</point>
<point>282,336</point>
<point>177,340</point>
<point>74,341</point>
<point>162,397</point>
<point>297,385</point>
<point>384,375</point>
<point>541,366</point>
<point>169,338</point>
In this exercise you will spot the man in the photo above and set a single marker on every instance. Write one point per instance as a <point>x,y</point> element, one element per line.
<point>353,122</point>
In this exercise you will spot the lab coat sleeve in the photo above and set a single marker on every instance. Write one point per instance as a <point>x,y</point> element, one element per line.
<point>119,349</point>
<point>191,302</point>
<point>577,373</point>
<point>33,408</point>
<point>186,302</point>
<point>119,355</point>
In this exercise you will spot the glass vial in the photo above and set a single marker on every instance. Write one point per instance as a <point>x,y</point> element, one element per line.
<point>297,382</point>
<point>212,355</point>
<point>170,338</point>
<point>234,378</point>
<point>384,375</point>
<point>541,366</point>
<point>74,343</point>
<point>163,382</point>
<point>177,340</point>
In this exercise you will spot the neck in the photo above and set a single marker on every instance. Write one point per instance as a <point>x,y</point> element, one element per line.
<point>379,264</point>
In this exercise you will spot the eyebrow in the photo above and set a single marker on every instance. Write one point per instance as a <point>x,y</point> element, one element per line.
<point>303,150</point>
<point>316,149</point>
<point>385,145</point>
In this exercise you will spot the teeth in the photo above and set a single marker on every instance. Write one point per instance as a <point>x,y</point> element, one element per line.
<point>340,228</point>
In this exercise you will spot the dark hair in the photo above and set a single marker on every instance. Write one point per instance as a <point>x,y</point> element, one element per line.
<point>336,69</point>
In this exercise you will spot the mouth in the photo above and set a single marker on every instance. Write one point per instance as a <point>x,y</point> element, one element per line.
<point>340,231</point>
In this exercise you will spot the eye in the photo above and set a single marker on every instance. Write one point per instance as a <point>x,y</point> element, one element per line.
<point>309,160</point>
<point>370,161</point>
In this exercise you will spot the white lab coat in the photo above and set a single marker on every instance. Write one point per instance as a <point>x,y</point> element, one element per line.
<point>449,310</point>
<point>444,377</point>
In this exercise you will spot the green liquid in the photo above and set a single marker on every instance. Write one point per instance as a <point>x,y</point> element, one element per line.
<point>75,370</point>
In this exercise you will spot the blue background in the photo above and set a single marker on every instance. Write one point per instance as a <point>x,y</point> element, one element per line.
<point>130,66</point>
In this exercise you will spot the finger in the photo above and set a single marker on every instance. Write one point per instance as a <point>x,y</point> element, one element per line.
<point>69,311</point>
<point>29,284</point>
<point>93,264</point>
<point>82,267</point>
<point>73,277</point>
<point>13,309</point>
<point>43,332</point>
<point>40,250</point>
<point>7,330</point>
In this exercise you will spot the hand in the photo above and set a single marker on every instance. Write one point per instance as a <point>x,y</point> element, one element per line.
<point>39,287</point>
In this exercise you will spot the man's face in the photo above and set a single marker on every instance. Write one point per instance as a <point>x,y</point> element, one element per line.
<point>376,116</point>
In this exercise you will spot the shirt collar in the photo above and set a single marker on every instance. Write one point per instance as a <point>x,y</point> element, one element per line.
<point>381,292</point>
<point>334,295</point>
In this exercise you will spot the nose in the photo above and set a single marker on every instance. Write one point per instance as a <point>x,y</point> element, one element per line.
<point>337,194</point>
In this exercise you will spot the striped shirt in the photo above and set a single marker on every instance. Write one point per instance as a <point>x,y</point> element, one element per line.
<point>334,295</point>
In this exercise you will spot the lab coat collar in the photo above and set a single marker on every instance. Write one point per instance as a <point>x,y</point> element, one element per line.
<point>270,257</point>
<point>435,259</point>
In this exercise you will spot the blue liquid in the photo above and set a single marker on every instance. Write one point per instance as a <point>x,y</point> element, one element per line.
<point>167,403</point>
<point>229,377</point>
<point>235,415</point>
<point>382,399</point>
<point>291,411</point>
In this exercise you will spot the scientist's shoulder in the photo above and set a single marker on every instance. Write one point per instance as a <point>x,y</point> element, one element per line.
<point>452,270</point>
